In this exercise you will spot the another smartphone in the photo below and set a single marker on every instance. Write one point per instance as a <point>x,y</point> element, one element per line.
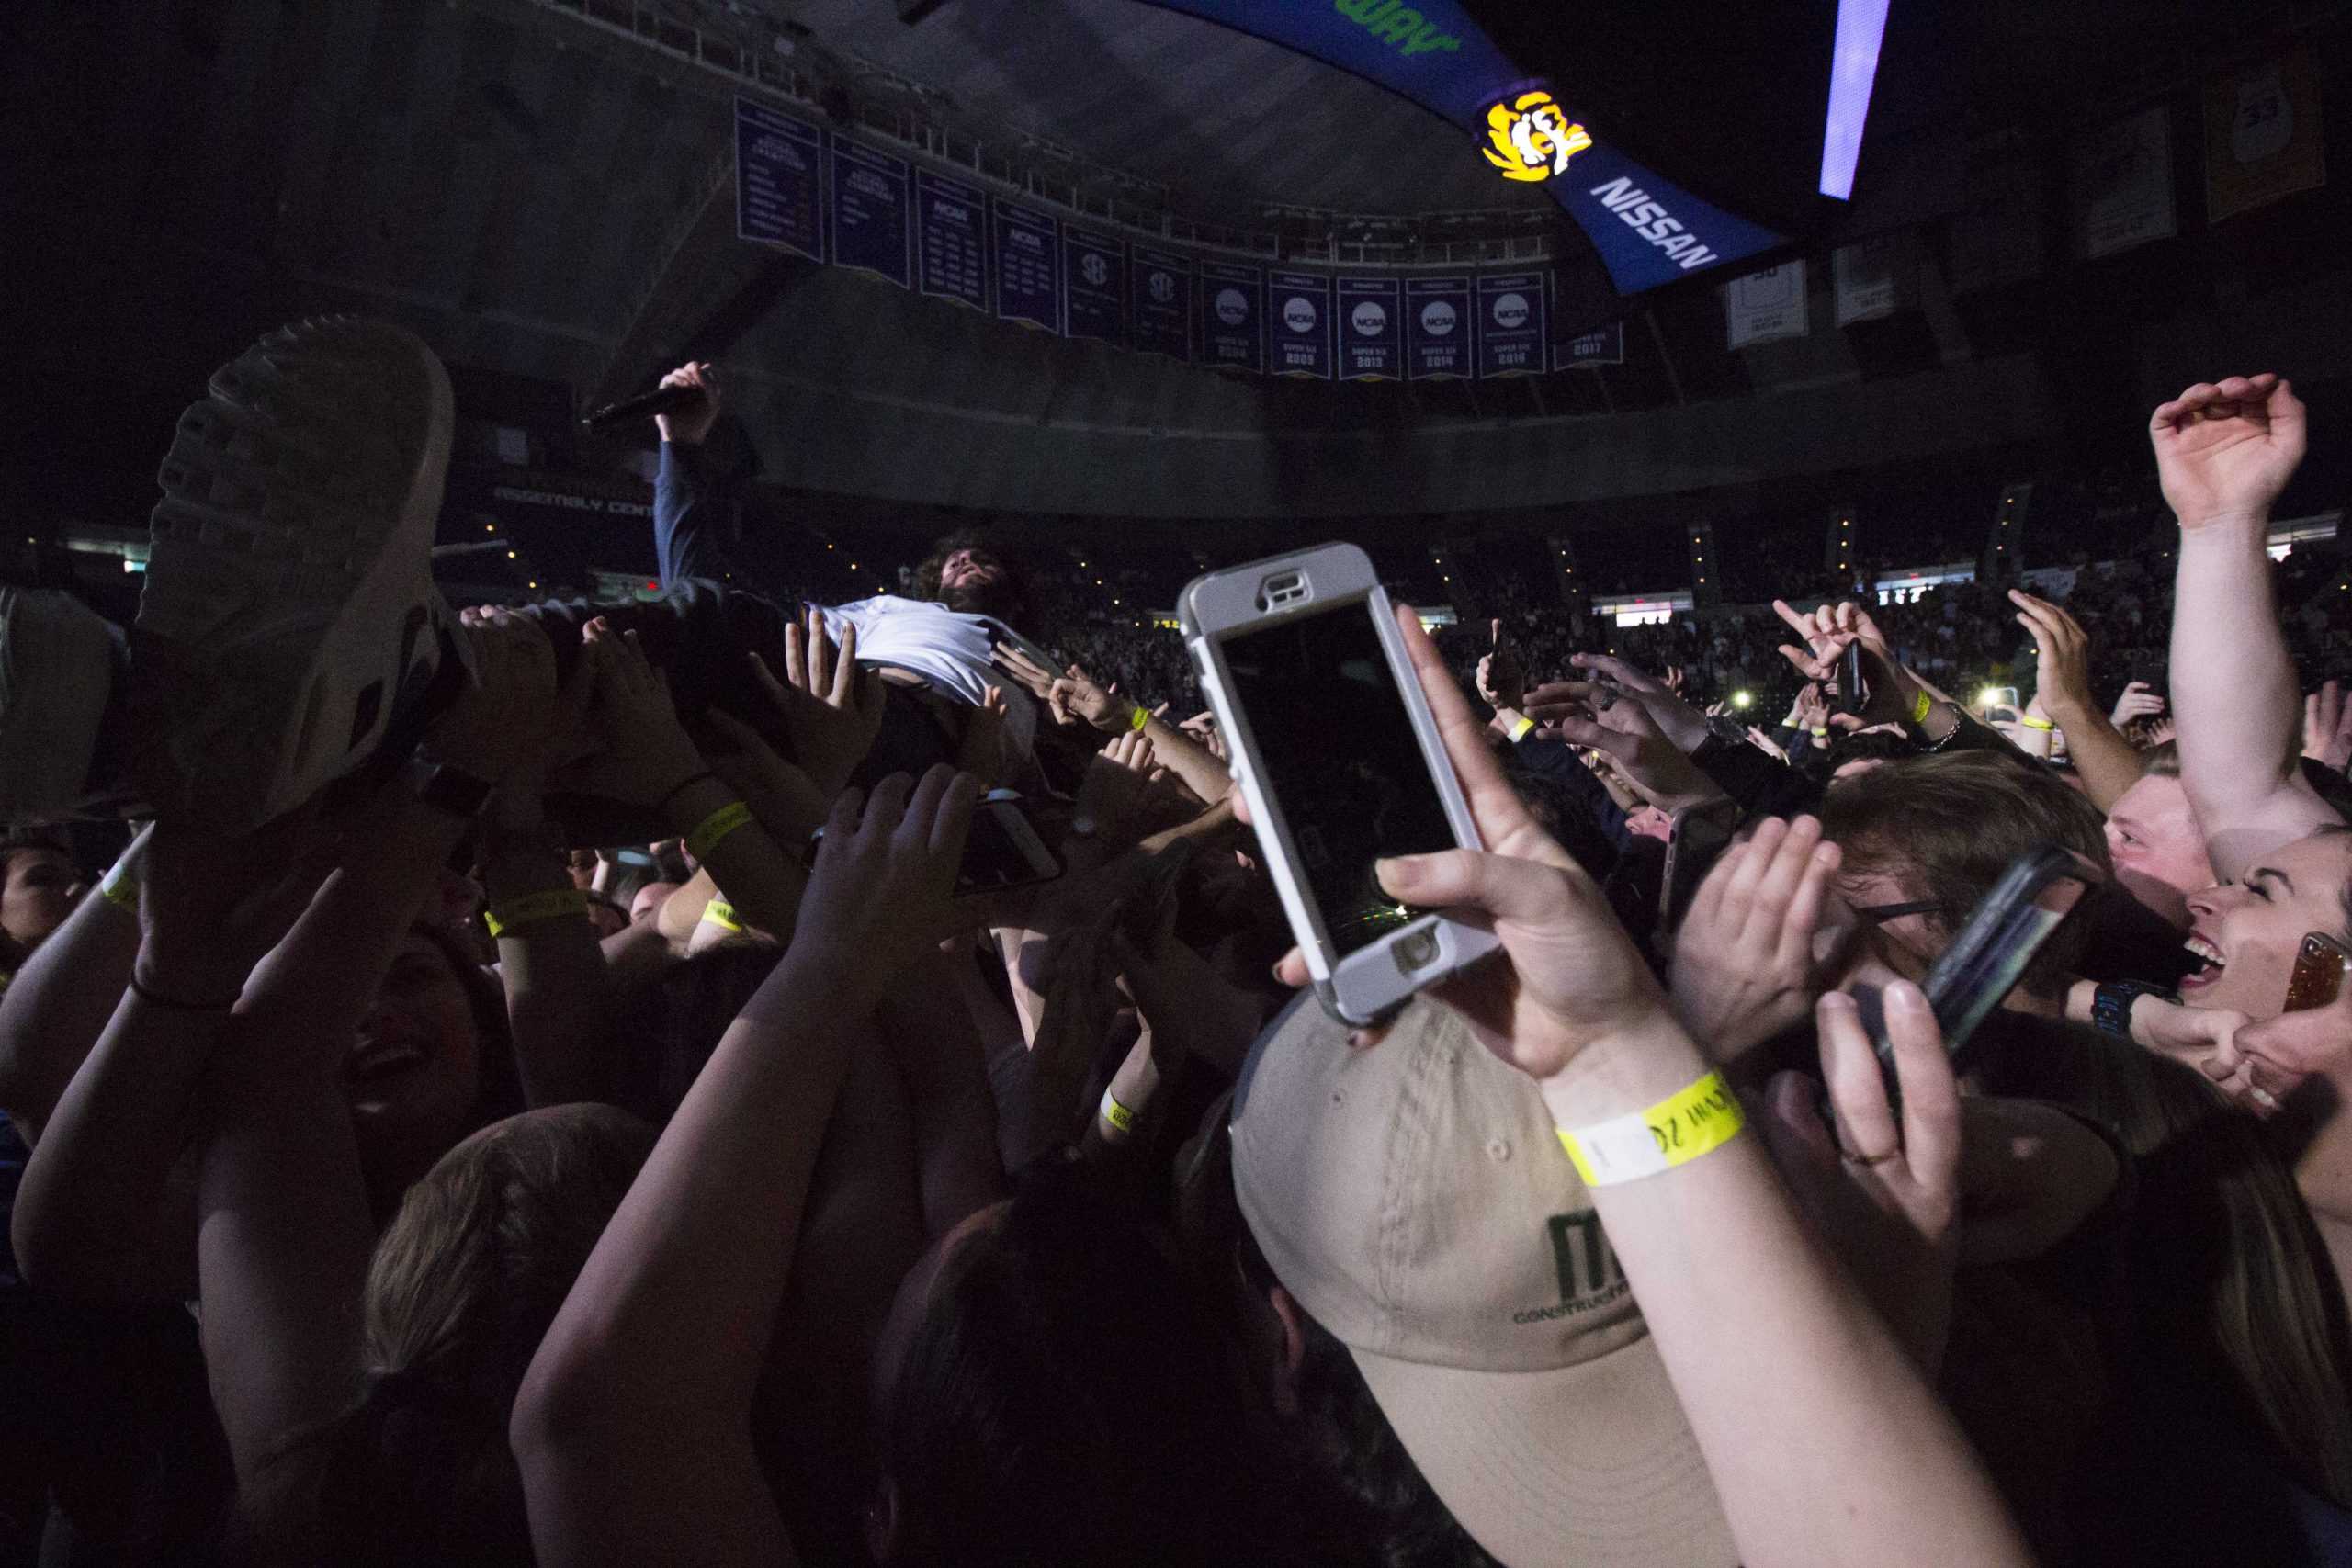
<point>2036,895</point>
<point>1340,762</point>
<point>1853,679</point>
<point>1003,850</point>
<point>2318,978</point>
<point>1696,836</point>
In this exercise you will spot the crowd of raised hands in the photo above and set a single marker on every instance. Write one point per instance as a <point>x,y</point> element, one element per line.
<point>766,1194</point>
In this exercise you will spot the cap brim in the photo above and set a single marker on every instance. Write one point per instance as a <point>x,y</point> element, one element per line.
<point>1588,1466</point>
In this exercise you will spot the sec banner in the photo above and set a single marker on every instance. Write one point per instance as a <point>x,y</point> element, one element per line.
<point>779,180</point>
<point>951,226</point>
<point>1094,273</point>
<point>1300,324</point>
<point>1028,267</point>
<point>1369,318</point>
<point>1438,332</point>
<point>1511,324</point>
<point>1159,302</point>
<point>870,210</point>
<point>1233,317</point>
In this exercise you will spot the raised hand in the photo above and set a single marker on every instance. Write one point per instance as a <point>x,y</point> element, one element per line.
<point>787,802</point>
<point>2062,676</point>
<point>1588,714</point>
<point>2228,448</point>
<point>1131,751</point>
<point>2327,727</point>
<point>980,752</point>
<point>879,891</point>
<point>2138,701</point>
<point>1502,680</point>
<point>830,710</point>
<point>1676,718</point>
<point>1744,962</point>
<point>690,427</point>
<point>211,907</point>
<point>504,718</point>
<point>1076,694</point>
<point>1029,675</point>
<point>1884,1195</point>
<point>644,751</point>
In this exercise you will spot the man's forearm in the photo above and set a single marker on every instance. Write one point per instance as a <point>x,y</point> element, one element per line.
<point>2107,764</point>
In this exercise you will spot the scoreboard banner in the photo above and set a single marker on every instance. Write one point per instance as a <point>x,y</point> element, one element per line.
<point>1094,278</point>
<point>1232,316</point>
<point>1369,318</point>
<point>1513,323</point>
<point>1300,324</point>
<point>1438,329</point>
<point>779,180</point>
<point>1159,302</point>
<point>1028,266</point>
<point>870,210</point>
<point>951,239</point>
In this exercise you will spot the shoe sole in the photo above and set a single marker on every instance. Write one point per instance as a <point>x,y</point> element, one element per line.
<point>288,600</point>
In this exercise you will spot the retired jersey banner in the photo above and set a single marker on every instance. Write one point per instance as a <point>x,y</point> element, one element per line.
<point>779,180</point>
<point>870,210</point>
<point>1370,317</point>
<point>951,239</point>
<point>1875,278</point>
<point>1299,322</point>
<point>1511,323</point>
<point>1592,350</point>
<point>1094,278</point>
<point>1232,316</point>
<point>1647,230</point>
<point>2262,135</point>
<point>2122,183</point>
<point>1768,305</point>
<point>1438,332</point>
<point>1028,266</point>
<point>1159,302</point>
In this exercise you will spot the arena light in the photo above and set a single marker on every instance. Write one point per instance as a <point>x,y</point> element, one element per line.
<point>1853,68</point>
<point>1988,696</point>
<point>1531,138</point>
<point>1743,699</point>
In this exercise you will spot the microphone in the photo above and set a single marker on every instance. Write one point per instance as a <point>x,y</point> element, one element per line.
<point>661,399</point>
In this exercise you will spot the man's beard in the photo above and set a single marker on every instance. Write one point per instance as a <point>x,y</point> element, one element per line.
<point>987,596</point>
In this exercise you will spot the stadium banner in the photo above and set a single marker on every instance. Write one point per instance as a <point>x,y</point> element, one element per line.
<point>1232,316</point>
<point>1299,322</point>
<point>1876,278</point>
<point>1512,318</point>
<point>870,212</point>
<point>1589,351</point>
<point>2122,183</point>
<point>1767,305</point>
<point>779,180</point>
<point>1159,302</point>
<point>1370,313</point>
<point>1647,230</point>
<point>1437,329</point>
<point>951,240</point>
<point>2263,138</point>
<point>1028,266</point>
<point>1094,270</point>
<point>1996,239</point>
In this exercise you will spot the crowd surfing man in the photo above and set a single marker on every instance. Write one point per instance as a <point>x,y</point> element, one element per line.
<point>824,1215</point>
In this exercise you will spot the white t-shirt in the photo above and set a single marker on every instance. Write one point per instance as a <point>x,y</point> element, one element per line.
<point>951,648</point>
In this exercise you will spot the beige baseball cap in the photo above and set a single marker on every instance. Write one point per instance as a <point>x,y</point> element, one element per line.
<point>1415,1200</point>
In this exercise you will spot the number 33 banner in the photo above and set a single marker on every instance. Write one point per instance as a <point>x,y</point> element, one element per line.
<point>2262,134</point>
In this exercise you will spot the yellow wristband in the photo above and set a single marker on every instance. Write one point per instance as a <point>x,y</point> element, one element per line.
<point>1519,731</point>
<point>120,889</point>
<point>1116,1114</point>
<point>1919,710</point>
<point>533,909</point>
<point>715,827</point>
<point>1675,1130</point>
<point>1142,717</point>
<point>722,913</point>
<point>1823,730</point>
<point>2032,723</point>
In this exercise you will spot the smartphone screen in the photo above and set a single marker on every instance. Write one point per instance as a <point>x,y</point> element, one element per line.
<point>1335,752</point>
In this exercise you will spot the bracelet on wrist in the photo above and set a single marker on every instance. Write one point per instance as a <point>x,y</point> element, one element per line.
<point>1920,709</point>
<point>2032,723</point>
<point>720,913</point>
<point>1679,1129</point>
<point>2112,1001</point>
<point>511,915</point>
<point>711,830</point>
<point>120,888</point>
<point>1119,1116</point>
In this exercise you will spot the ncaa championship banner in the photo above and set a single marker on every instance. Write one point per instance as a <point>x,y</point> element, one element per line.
<point>1300,324</point>
<point>1232,316</point>
<point>1370,315</point>
<point>1438,329</point>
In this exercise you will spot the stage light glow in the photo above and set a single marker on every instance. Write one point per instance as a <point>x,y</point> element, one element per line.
<point>1988,696</point>
<point>1861,25</point>
<point>1743,699</point>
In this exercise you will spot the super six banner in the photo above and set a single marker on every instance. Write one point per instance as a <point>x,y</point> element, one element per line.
<point>835,199</point>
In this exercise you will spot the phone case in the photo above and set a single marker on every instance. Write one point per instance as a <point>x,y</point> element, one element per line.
<point>2318,977</point>
<point>1344,582</point>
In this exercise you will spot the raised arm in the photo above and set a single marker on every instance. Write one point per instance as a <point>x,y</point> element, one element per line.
<point>683,493</point>
<point>51,1013</point>
<point>2224,453</point>
<point>633,1427</point>
<point>2109,763</point>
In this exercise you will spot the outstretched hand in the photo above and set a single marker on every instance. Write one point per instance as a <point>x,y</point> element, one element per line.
<point>830,709</point>
<point>880,889</point>
<point>2228,448</point>
<point>2138,701</point>
<point>1502,679</point>
<point>1586,713</point>
<point>1744,962</point>
<point>691,427</point>
<point>2327,727</point>
<point>644,751</point>
<point>2063,675</point>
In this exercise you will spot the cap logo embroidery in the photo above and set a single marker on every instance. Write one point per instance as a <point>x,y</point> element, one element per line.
<point>1590,1277</point>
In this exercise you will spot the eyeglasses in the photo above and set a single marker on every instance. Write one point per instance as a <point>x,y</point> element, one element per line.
<point>1882,913</point>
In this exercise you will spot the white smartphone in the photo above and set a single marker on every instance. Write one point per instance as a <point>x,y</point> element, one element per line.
<point>1338,755</point>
